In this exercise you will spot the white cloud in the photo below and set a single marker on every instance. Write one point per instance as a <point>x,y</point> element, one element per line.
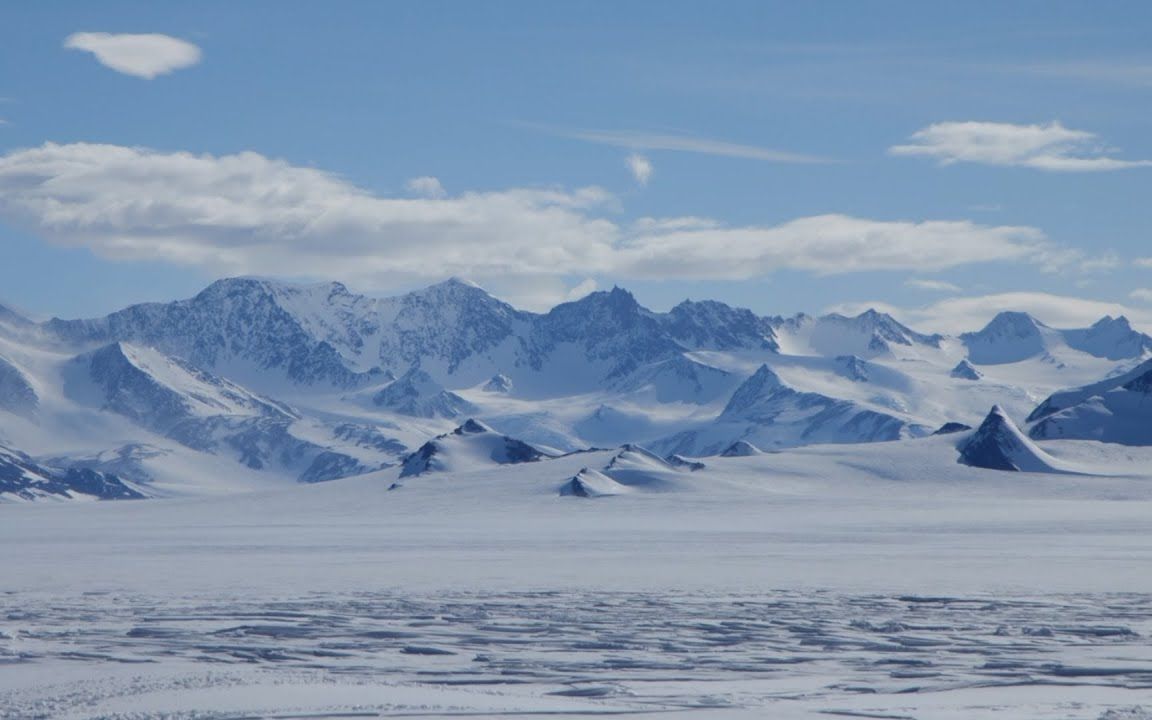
<point>639,140</point>
<point>584,287</point>
<point>963,314</point>
<point>1043,147</point>
<point>144,56</point>
<point>1143,262</point>
<point>640,167</point>
<point>1141,295</point>
<point>826,245</point>
<point>933,285</point>
<point>426,186</point>
<point>246,213</point>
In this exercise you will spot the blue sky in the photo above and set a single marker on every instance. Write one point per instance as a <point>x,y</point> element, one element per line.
<point>924,157</point>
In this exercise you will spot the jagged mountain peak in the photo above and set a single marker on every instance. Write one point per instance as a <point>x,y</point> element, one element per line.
<point>1108,321</point>
<point>713,325</point>
<point>868,334</point>
<point>1011,323</point>
<point>1009,337</point>
<point>1110,338</point>
<point>872,320</point>
<point>618,302</point>
<point>762,383</point>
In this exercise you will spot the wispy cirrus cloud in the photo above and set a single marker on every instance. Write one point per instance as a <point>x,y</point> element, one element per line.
<point>643,140</point>
<point>247,213</point>
<point>1051,147</point>
<point>1131,73</point>
<point>140,55</point>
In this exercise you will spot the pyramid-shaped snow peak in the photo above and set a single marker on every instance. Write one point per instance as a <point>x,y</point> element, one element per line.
<point>1009,337</point>
<point>741,448</point>
<point>589,483</point>
<point>416,394</point>
<point>499,383</point>
<point>965,370</point>
<point>998,444</point>
<point>763,383</point>
<point>472,446</point>
<point>635,457</point>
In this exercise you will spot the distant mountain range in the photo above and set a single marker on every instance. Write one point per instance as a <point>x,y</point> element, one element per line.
<point>253,382</point>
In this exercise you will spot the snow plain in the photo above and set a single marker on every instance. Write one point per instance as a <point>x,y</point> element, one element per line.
<point>880,580</point>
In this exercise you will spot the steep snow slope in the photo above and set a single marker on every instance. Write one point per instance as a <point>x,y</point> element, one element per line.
<point>17,395</point>
<point>768,413</point>
<point>1108,413</point>
<point>1067,398</point>
<point>677,379</point>
<point>159,391</point>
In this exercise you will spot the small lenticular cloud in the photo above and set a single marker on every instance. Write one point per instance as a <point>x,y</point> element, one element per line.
<point>144,56</point>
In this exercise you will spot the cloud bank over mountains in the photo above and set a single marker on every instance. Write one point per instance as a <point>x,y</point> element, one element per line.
<point>247,213</point>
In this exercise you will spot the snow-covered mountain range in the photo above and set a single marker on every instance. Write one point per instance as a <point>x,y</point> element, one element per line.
<point>255,382</point>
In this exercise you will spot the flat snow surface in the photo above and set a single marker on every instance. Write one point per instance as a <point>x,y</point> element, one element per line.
<point>881,580</point>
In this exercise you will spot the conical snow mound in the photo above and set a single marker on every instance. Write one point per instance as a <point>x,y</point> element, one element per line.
<point>471,446</point>
<point>683,463</point>
<point>741,448</point>
<point>964,370</point>
<point>998,444</point>
<point>589,483</point>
